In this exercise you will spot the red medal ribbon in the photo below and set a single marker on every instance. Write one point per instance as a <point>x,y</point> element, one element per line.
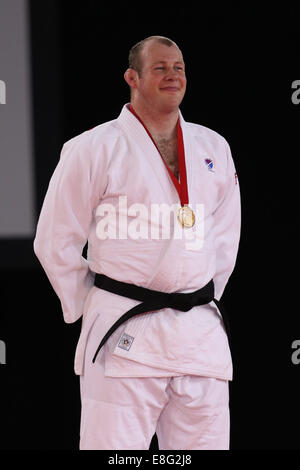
<point>181,187</point>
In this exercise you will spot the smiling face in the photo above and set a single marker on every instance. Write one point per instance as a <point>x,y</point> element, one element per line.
<point>162,83</point>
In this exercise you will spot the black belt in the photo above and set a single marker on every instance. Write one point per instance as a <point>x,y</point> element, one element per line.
<point>155,300</point>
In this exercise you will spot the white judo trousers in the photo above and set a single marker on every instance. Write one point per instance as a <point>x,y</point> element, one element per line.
<point>123,413</point>
<point>172,376</point>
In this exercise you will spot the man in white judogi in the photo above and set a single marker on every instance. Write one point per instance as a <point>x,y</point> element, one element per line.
<point>123,186</point>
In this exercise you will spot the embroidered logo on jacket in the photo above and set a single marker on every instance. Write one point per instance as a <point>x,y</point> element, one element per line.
<point>210,164</point>
<point>125,342</point>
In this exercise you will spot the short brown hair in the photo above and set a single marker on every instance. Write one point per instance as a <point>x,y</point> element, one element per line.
<point>134,59</point>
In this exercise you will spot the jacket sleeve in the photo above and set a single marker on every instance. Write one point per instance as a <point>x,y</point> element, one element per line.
<point>227,225</point>
<point>63,228</point>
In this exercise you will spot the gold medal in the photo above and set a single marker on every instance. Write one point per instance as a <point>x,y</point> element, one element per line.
<point>186,216</point>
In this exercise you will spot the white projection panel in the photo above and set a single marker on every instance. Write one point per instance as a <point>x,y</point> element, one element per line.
<point>16,149</point>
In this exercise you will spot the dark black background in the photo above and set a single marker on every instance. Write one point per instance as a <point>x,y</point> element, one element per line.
<point>240,62</point>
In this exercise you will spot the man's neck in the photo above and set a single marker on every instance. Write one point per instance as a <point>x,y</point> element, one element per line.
<point>160,125</point>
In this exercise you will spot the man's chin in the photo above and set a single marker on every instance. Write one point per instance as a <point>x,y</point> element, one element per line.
<point>170,105</point>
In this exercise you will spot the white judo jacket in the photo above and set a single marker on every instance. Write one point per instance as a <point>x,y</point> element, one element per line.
<point>112,189</point>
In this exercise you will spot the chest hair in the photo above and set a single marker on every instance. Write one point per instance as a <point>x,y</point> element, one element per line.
<point>168,149</point>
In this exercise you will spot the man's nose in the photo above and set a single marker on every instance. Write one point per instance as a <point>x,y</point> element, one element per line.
<point>172,74</point>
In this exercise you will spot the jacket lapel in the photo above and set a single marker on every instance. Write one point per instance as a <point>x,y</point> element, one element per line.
<point>143,148</point>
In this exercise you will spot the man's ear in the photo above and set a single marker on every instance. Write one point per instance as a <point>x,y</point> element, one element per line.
<point>131,77</point>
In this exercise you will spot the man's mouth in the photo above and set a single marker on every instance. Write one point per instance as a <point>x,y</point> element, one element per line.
<point>170,88</point>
